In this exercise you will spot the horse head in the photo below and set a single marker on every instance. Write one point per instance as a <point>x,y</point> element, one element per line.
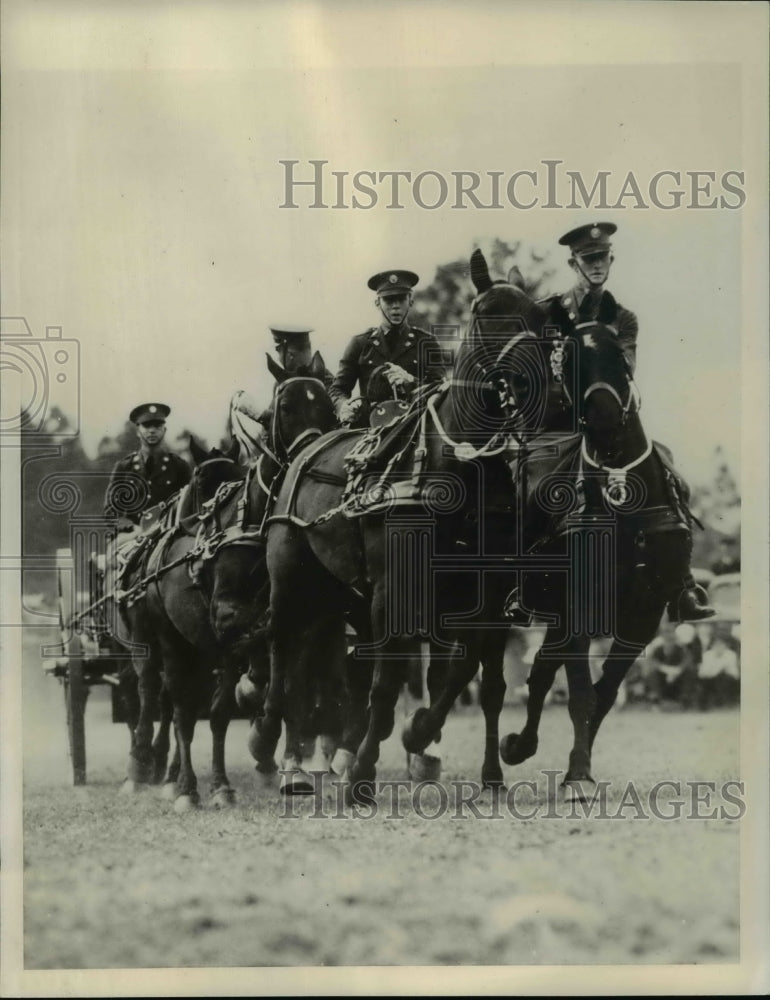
<point>212,468</point>
<point>315,368</point>
<point>301,411</point>
<point>499,369</point>
<point>607,400</point>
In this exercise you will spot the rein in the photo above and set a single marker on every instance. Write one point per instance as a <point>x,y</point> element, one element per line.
<point>351,503</point>
<point>464,450</point>
<point>634,397</point>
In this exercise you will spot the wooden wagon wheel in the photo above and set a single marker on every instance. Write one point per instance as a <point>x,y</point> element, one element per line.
<point>73,679</point>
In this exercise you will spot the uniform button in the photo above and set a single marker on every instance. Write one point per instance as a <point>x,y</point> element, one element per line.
<point>571,315</point>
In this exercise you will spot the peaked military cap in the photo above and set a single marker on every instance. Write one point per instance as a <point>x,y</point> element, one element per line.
<point>285,333</point>
<point>593,238</point>
<point>149,411</point>
<point>395,282</point>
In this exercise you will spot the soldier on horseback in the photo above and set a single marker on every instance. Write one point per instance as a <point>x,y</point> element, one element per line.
<point>158,472</point>
<point>294,350</point>
<point>589,301</point>
<point>411,356</point>
<point>248,420</point>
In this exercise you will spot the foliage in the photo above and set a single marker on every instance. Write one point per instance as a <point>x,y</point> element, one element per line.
<point>444,305</point>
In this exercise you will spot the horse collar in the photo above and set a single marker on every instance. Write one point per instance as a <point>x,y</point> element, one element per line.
<point>616,491</point>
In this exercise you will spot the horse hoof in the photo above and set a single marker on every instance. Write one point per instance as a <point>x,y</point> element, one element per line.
<point>578,789</point>
<point>341,762</point>
<point>514,750</point>
<point>424,767</point>
<point>267,778</point>
<point>414,736</point>
<point>131,787</point>
<point>168,791</point>
<point>296,782</point>
<point>223,798</point>
<point>186,803</point>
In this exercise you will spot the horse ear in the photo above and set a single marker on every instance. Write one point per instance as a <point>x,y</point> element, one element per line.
<point>198,453</point>
<point>480,272</point>
<point>278,373</point>
<point>516,278</point>
<point>234,451</point>
<point>317,367</point>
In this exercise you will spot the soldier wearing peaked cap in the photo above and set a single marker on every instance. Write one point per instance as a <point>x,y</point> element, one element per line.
<point>591,259</point>
<point>162,473</point>
<point>588,301</point>
<point>411,356</point>
<point>250,420</point>
<point>292,345</point>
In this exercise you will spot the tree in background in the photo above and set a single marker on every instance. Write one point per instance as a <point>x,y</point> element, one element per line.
<point>444,306</point>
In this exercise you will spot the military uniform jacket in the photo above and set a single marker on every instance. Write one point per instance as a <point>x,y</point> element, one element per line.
<point>170,473</point>
<point>568,310</point>
<point>415,350</point>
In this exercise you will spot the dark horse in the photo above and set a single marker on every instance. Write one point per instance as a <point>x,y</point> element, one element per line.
<point>200,617</point>
<point>402,533</point>
<point>500,307</point>
<point>164,615</point>
<point>233,570</point>
<point>606,517</point>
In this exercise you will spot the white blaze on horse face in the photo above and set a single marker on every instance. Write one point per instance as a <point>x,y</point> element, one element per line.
<point>310,394</point>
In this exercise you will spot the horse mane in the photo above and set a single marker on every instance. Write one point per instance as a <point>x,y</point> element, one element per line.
<point>603,340</point>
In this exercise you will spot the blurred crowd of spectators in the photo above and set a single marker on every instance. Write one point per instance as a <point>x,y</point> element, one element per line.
<point>694,667</point>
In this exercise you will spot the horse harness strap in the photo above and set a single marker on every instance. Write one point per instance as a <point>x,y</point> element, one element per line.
<point>207,546</point>
<point>361,497</point>
<point>616,491</point>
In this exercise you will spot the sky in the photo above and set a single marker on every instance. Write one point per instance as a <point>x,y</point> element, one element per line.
<point>142,184</point>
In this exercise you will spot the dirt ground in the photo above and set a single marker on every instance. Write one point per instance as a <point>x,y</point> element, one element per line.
<point>113,881</point>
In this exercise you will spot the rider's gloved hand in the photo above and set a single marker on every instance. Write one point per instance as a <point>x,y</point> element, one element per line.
<point>398,376</point>
<point>348,410</point>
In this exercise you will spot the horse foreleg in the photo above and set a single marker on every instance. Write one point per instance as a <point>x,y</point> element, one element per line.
<point>582,705</point>
<point>359,674</point>
<point>389,677</point>
<point>162,741</point>
<point>266,730</point>
<point>183,679</point>
<point>614,670</point>
<point>290,669</point>
<point>328,651</point>
<point>644,612</point>
<point>222,710</point>
<point>515,748</point>
<point>425,724</point>
<point>140,762</point>
<point>128,692</point>
<point>491,697</point>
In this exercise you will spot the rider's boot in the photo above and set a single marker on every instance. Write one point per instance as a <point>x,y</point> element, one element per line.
<point>690,603</point>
